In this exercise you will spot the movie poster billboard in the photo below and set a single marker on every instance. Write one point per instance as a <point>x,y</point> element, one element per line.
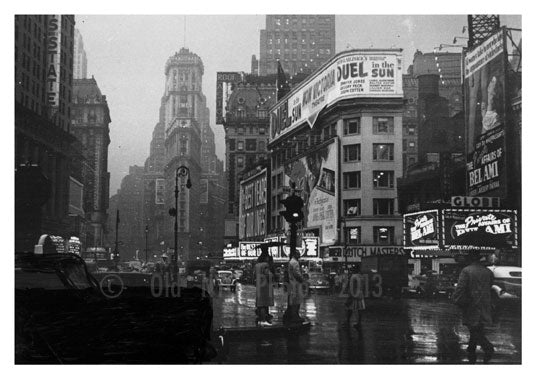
<point>484,82</point>
<point>421,230</point>
<point>479,229</point>
<point>315,175</point>
<point>352,74</point>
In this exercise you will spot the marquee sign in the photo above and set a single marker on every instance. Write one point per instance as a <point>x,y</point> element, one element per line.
<point>421,229</point>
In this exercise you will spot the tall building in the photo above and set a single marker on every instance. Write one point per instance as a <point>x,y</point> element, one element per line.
<point>43,87</point>
<point>343,153</point>
<point>184,111</point>
<point>90,125</point>
<point>80,57</point>
<point>302,43</point>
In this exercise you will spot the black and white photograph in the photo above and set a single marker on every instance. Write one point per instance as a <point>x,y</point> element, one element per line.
<point>164,211</point>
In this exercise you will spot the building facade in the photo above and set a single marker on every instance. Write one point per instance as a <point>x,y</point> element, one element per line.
<point>43,91</point>
<point>184,113</point>
<point>90,125</point>
<point>302,43</point>
<point>80,57</point>
<point>338,140</point>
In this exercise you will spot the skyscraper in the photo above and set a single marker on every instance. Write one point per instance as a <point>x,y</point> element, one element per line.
<point>184,110</point>
<point>300,42</point>
<point>43,85</point>
<point>80,58</point>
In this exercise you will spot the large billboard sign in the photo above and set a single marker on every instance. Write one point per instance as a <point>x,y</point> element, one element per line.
<point>225,83</point>
<point>421,230</point>
<point>315,175</point>
<point>352,74</point>
<point>484,74</point>
<point>249,250</point>
<point>487,229</point>
<point>252,210</point>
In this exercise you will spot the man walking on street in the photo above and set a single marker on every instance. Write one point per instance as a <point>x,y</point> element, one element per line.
<point>295,290</point>
<point>473,296</point>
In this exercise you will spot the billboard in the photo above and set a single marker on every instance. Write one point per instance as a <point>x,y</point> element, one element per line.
<point>252,209</point>
<point>315,175</point>
<point>486,229</point>
<point>225,83</point>
<point>421,230</point>
<point>484,86</point>
<point>249,250</point>
<point>352,74</point>
<point>159,191</point>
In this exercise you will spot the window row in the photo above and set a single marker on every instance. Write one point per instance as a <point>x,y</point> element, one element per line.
<point>352,207</point>
<point>250,145</point>
<point>382,235</point>
<point>380,179</point>
<point>380,152</point>
<point>380,125</point>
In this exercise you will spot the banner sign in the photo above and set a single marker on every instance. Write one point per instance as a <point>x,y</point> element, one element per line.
<point>252,209</point>
<point>421,230</point>
<point>225,83</point>
<point>373,250</point>
<point>53,62</point>
<point>479,229</point>
<point>485,107</point>
<point>475,202</point>
<point>352,74</point>
<point>315,174</point>
<point>485,166</point>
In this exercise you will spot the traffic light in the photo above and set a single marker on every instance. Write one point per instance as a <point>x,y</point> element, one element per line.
<point>293,212</point>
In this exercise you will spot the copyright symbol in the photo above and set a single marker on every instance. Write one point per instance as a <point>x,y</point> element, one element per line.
<point>106,284</point>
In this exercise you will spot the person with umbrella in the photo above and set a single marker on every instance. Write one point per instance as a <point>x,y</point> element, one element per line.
<point>264,274</point>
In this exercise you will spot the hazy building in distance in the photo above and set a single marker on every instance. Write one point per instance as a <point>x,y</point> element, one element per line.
<point>80,57</point>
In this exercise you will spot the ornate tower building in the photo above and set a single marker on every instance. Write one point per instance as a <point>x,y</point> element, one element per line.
<point>184,110</point>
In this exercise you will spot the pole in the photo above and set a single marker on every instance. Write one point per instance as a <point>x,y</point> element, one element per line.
<point>116,233</point>
<point>146,249</point>
<point>176,230</point>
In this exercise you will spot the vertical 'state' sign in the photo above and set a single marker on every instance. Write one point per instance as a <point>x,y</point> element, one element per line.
<point>53,62</point>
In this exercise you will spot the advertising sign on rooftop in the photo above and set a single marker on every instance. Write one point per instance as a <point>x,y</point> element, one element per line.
<point>352,74</point>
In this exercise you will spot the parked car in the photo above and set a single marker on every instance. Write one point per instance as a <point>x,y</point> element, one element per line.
<point>225,279</point>
<point>64,315</point>
<point>318,282</point>
<point>507,283</point>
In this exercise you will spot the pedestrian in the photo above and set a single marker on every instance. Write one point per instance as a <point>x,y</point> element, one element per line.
<point>355,302</point>
<point>264,274</point>
<point>473,296</point>
<point>295,289</point>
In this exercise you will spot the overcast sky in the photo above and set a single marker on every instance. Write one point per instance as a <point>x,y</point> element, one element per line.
<point>127,55</point>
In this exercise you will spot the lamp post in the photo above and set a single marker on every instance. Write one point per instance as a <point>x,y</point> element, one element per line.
<point>146,249</point>
<point>181,171</point>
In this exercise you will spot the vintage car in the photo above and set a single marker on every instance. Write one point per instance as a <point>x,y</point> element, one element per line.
<point>226,279</point>
<point>507,283</point>
<point>318,282</point>
<point>65,315</point>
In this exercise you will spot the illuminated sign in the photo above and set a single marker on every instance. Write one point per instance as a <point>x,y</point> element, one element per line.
<point>421,230</point>
<point>479,229</point>
<point>74,245</point>
<point>352,74</point>
<point>249,249</point>
<point>230,252</point>
<point>475,202</point>
<point>252,210</point>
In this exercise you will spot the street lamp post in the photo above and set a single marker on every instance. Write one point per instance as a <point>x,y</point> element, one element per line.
<point>181,171</point>
<point>146,249</point>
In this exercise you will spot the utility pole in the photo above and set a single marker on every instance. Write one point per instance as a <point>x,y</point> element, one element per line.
<point>146,249</point>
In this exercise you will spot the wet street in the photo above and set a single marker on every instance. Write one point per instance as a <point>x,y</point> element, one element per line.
<point>400,331</point>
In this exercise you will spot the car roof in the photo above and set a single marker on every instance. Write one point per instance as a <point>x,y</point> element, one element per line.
<point>504,271</point>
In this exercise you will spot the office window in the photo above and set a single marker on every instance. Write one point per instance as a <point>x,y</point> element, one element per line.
<point>352,235</point>
<point>240,145</point>
<point>383,151</point>
<point>352,207</point>
<point>352,126</point>
<point>383,125</point>
<point>240,162</point>
<point>232,145</point>
<point>384,235</point>
<point>411,145</point>
<point>383,206</point>
<point>352,153</point>
<point>251,144</point>
<point>240,130</point>
<point>352,179</point>
<point>383,179</point>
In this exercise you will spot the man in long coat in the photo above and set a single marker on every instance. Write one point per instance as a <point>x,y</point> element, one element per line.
<point>473,295</point>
